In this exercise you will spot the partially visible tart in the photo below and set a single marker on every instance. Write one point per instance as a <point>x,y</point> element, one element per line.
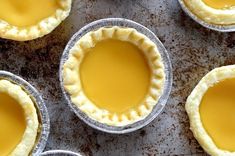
<point>221,12</point>
<point>18,120</point>
<point>115,75</point>
<point>211,110</point>
<point>31,19</point>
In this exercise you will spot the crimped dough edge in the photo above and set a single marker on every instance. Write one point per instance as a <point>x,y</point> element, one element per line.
<point>44,27</point>
<point>29,137</point>
<point>72,82</point>
<point>211,15</point>
<point>192,108</point>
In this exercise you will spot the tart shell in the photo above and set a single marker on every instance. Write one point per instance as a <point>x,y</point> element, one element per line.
<point>211,15</point>
<point>193,104</point>
<point>72,82</point>
<point>44,27</point>
<point>29,137</point>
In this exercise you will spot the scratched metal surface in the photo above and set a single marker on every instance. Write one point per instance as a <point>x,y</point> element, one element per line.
<point>194,51</point>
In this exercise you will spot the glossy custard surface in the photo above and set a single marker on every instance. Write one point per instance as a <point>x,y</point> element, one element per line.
<point>12,124</point>
<point>220,4</point>
<point>217,111</point>
<point>115,75</point>
<point>23,13</point>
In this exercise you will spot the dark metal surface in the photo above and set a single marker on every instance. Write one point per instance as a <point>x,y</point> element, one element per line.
<point>194,51</point>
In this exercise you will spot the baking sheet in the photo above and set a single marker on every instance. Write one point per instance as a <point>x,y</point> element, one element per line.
<point>194,51</point>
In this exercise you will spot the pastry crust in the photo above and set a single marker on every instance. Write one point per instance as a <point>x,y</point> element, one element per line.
<point>44,27</point>
<point>211,15</point>
<point>192,108</point>
<point>28,139</point>
<point>72,82</point>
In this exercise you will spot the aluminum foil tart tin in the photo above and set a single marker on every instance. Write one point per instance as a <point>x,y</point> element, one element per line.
<point>59,153</point>
<point>168,71</point>
<point>39,105</point>
<point>221,28</point>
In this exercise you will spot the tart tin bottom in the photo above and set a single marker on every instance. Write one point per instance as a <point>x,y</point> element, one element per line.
<point>39,105</point>
<point>168,72</point>
<point>59,153</point>
<point>216,27</point>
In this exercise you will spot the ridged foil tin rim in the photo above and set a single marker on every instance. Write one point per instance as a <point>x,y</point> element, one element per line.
<point>59,153</point>
<point>168,71</point>
<point>216,27</point>
<point>39,105</point>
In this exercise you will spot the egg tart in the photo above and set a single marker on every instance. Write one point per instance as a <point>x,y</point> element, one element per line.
<point>220,12</point>
<point>211,110</point>
<point>31,19</point>
<point>18,120</point>
<point>115,75</point>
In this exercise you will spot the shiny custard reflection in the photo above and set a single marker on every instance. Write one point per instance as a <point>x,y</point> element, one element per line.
<point>217,111</point>
<point>115,75</point>
<point>23,13</point>
<point>220,4</point>
<point>12,124</point>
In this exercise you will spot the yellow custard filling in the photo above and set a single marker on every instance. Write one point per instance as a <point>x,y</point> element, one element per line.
<point>220,4</point>
<point>217,111</point>
<point>23,13</point>
<point>12,124</point>
<point>115,75</point>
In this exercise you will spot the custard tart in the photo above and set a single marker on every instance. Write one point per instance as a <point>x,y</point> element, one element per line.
<point>211,110</point>
<point>31,19</point>
<point>220,12</point>
<point>18,120</point>
<point>115,75</point>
